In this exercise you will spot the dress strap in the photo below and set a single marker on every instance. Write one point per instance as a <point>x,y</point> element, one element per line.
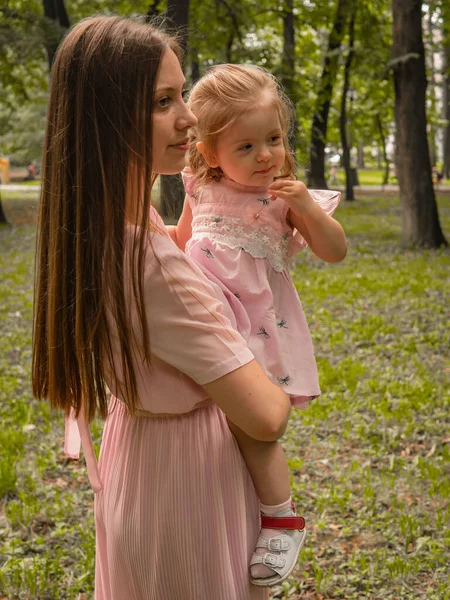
<point>77,433</point>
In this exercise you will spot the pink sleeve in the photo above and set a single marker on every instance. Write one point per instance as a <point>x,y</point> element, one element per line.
<point>191,325</point>
<point>189,180</point>
<point>328,200</point>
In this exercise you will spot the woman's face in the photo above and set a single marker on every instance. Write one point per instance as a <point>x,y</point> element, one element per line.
<point>171,118</point>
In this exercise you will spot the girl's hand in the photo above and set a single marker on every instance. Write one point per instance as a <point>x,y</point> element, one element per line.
<point>323,234</point>
<point>295,194</point>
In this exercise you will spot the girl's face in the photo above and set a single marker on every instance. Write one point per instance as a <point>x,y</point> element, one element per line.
<point>251,151</point>
<point>171,118</point>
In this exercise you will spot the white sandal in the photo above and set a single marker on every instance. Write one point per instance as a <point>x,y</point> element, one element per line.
<point>288,545</point>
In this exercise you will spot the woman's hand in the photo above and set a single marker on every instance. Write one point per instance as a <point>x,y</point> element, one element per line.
<point>295,194</point>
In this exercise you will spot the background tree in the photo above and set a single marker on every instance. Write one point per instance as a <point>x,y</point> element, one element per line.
<point>56,22</point>
<point>316,172</point>
<point>346,159</point>
<point>288,79</point>
<point>445,8</point>
<point>171,186</point>
<point>419,211</point>
<point>22,77</point>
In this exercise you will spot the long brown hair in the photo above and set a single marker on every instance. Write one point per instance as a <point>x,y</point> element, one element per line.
<point>220,97</point>
<point>99,131</point>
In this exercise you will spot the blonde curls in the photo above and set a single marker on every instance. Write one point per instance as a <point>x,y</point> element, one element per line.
<point>219,98</point>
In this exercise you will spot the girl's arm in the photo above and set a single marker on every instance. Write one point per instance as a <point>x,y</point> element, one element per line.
<point>182,231</point>
<point>323,234</point>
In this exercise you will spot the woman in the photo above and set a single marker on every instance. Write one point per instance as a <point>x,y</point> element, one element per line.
<point>119,307</point>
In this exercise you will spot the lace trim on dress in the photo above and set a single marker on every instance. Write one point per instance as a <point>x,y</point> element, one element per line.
<point>260,242</point>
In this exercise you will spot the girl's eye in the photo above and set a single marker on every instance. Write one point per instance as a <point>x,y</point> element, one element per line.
<point>246,147</point>
<point>164,102</point>
<point>275,138</point>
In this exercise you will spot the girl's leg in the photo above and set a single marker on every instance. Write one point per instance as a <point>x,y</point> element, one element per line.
<point>268,468</point>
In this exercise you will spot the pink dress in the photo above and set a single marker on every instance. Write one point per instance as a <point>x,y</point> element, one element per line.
<point>177,517</point>
<point>242,239</point>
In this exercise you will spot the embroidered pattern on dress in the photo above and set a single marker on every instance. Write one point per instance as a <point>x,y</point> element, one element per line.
<point>263,332</point>
<point>283,380</point>
<point>208,252</point>
<point>259,242</point>
<point>282,324</point>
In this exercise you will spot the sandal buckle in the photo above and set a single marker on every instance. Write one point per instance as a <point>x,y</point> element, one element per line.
<point>278,544</point>
<point>272,560</point>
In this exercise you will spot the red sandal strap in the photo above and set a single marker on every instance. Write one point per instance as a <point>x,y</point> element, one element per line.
<point>282,522</point>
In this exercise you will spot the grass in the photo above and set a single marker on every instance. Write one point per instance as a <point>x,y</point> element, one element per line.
<point>365,176</point>
<point>369,177</point>
<point>370,459</point>
<point>373,177</point>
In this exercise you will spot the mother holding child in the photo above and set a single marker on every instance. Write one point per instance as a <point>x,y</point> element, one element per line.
<point>196,330</point>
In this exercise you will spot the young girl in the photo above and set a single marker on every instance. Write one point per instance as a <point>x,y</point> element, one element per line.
<point>243,217</point>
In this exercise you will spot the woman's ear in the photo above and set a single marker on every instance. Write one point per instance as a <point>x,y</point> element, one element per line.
<point>210,157</point>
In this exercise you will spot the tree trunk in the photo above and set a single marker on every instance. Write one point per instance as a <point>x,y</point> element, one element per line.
<point>446,89</point>
<point>432,83</point>
<point>229,48</point>
<point>153,10</point>
<point>419,211</point>
<point>171,196</point>
<point>288,66</point>
<point>56,12</point>
<point>178,13</point>
<point>383,145</point>
<point>349,193</point>
<point>361,163</point>
<point>446,100</point>
<point>316,172</point>
<point>3,219</point>
<point>172,190</point>
<point>195,66</point>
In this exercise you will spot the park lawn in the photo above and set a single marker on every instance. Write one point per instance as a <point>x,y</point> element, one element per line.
<point>370,459</point>
<point>365,176</point>
<point>374,177</point>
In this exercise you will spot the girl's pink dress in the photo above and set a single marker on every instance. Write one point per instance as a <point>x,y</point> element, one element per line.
<point>242,239</point>
<point>177,517</point>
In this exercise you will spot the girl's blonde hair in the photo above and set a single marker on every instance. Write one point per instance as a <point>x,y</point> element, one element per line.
<point>219,98</point>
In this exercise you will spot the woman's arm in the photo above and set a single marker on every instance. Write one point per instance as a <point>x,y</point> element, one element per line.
<point>192,328</point>
<point>182,231</point>
<point>323,234</point>
<point>252,402</point>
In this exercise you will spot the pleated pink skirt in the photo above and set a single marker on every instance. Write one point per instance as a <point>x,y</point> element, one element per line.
<point>177,518</point>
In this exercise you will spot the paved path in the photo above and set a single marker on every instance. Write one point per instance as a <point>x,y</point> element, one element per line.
<point>16,187</point>
<point>365,190</point>
<point>389,190</point>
